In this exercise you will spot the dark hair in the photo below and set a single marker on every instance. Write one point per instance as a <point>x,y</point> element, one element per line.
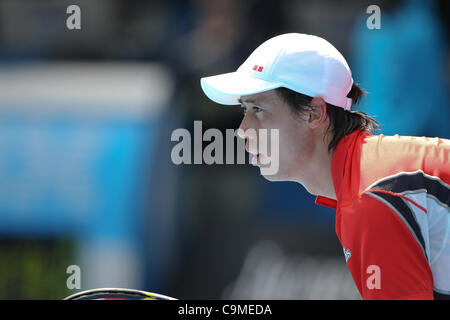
<point>342,122</point>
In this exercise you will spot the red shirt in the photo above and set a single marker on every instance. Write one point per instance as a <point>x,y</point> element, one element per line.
<point>392,214</point>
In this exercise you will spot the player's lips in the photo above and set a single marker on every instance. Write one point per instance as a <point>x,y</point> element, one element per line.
<point>256,159</point>
<point>255,155</point>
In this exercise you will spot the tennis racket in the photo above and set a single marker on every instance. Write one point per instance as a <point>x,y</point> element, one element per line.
<point>117,294</point>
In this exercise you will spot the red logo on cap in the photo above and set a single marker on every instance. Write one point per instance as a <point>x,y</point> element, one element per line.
<point>258,68</point>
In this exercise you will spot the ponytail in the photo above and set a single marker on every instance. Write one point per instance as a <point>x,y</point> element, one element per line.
<point>356,93</point>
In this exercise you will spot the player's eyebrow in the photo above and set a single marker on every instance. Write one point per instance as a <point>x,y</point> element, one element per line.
<point>248,101</point>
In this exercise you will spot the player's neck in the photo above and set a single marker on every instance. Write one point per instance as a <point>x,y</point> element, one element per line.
<point>326,187</point>
<point>317,178</point>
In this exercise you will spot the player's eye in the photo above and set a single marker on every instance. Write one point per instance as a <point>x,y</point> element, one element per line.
<point>255,109</point>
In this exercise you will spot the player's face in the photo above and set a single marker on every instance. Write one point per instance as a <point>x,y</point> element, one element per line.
<point>267,110</point>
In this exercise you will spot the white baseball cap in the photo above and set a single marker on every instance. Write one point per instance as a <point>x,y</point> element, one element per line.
<point>303,63</point>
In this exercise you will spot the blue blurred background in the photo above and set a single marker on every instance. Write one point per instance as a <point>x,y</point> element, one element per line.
<point>86,118</point>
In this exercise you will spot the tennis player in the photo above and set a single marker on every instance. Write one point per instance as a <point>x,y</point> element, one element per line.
<point>391,193</point>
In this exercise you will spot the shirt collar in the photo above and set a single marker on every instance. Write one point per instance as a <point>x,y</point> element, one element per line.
<point>341,168</point>
<point>326,202</point>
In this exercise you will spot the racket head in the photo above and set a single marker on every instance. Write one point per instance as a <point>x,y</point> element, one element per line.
<point>117,294</point>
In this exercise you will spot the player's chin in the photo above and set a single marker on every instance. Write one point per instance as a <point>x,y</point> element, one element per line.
<point>271,175</point>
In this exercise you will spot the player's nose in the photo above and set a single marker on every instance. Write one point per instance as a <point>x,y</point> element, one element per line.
<point>249,133</point>
<point>245,130</point>
<point>241,132</point>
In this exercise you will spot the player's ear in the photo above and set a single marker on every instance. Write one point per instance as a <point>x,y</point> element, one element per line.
<point>318,113</point>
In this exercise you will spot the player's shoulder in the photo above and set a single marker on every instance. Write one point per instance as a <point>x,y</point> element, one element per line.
<point>384,156</point>
<point>406,143</point>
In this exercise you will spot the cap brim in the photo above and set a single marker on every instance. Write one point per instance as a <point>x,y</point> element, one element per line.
<point>227,88</point>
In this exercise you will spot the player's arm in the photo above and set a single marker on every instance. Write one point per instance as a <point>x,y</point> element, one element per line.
<point>386,258</point>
